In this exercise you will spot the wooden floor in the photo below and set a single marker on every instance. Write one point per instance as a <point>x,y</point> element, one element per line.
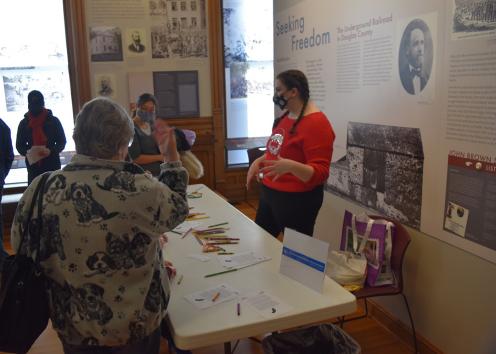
<point>372,337</point>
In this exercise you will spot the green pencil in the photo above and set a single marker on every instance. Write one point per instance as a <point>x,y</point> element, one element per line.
<point>222,223</point>
<point>219,273</point>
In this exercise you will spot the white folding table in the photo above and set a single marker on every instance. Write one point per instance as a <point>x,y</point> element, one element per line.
<point>192,328</point>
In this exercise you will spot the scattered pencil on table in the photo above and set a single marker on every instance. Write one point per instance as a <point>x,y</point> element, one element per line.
<point>238,309</point>
<point>225,253</point>
<point>180,279</point>
<point>175,232</point>
<point>187,232</point>
<point>222,223</point>
<point>217,238</point>
<point>216,296</point>
<point>219,273</point>
<point>198,240</point>
<point>222,242</point>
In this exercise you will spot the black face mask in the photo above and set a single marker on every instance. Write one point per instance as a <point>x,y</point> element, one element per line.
<point>280,101</point>
<point>35,109</point>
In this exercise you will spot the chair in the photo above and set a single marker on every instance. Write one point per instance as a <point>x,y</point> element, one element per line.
<point>400,244</point>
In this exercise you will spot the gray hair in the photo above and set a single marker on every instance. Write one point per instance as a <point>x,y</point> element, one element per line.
<point>102,128</point>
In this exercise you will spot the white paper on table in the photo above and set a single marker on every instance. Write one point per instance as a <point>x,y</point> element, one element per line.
<point>187,225</point>
<point>244,259</point>
<point>304,259</point>
<point>266,304</point>
<point>204,299</point>
<point>36,153</point>
<point>199,257</point>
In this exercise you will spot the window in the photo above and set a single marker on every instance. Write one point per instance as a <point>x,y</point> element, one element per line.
<point>184,22</point>
<point>249,75</point>
<point>193,5</point>
<point>174,6</point>
<point>183,5</point>
<point>175,24</point>
<point>193,22</point>
<point>34,60</point>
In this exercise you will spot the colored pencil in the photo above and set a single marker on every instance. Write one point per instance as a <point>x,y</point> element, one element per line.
<point>222,223</point>
<point>219,273</point>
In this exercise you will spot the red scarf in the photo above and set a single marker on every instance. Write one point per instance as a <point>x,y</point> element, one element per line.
<point>36,124</point>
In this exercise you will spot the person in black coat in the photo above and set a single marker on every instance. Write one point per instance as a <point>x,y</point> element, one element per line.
<point>40,128</point>
<point>6,159</point>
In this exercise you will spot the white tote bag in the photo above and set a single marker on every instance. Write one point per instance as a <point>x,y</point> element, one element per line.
<point>350,268</point>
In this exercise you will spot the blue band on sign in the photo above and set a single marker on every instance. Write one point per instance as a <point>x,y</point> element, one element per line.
<point>300,257</point>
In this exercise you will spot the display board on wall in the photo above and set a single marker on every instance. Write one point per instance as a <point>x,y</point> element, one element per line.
<point>410,89</point>
<point>144,36</point>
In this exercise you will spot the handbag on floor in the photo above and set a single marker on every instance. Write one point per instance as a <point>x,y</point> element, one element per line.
<point>23,298</point>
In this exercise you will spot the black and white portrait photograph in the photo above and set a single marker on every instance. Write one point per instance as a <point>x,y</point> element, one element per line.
<point>474,17</point>
<point>106,43</point>
<point>135,41</point>
<point>416,55</point>
<point>105,85</point>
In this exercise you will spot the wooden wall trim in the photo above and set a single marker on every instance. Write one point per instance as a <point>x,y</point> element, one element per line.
<point>216,53</point>
<point>400,329</point>
<point>77,52</point>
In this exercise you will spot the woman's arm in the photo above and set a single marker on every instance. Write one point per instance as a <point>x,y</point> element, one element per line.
<point>145,159</point>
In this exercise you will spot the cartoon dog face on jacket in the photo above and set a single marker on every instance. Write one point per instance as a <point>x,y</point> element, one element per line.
<point>120,181</point>
<point>138,248</point>
<point>100,263</point>
<point>87,208</point>
<point>91,305</point>
<point>55,189</point>
<point>118,249</point>
<point>51,239</point>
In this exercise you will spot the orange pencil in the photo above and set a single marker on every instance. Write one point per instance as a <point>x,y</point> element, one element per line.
<point>216,296</point>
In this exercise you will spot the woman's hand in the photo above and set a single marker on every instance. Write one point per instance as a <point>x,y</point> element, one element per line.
<point>280,166</point>
<point>166,140</point>
<point>163,239</point>
<point>253,171</point>
<point>277,168</point>
<point>171,270</point>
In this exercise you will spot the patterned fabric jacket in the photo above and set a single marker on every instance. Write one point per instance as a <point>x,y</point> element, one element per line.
<point>99,248</point>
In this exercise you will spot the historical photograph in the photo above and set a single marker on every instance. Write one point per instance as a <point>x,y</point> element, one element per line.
<point>472,16</point>
<point>135,41</point>
<point>17,85</point>
<point>106,43</point>
<point>105,85</point>
<point>416,55</point>
<point>183,32</point>
<point>382,170</point>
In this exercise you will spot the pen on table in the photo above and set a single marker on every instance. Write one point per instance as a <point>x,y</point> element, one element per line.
<point>222,223</point>
<point>175,232</point>
<point>223,272</point>
<point>238,307</point>
<point>222,242</point>
<point>216,296</point>
<point>180,279</point>
<point>187,232</point>
<point>216,238</point>
<point>225,253</point>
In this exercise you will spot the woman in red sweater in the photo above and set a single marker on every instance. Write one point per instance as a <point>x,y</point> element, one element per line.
<point>296,165</point>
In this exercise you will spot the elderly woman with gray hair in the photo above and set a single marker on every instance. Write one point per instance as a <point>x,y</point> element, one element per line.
<point>100,249</point>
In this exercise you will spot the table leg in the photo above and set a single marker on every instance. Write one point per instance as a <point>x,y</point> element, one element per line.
<point>227,348</point>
